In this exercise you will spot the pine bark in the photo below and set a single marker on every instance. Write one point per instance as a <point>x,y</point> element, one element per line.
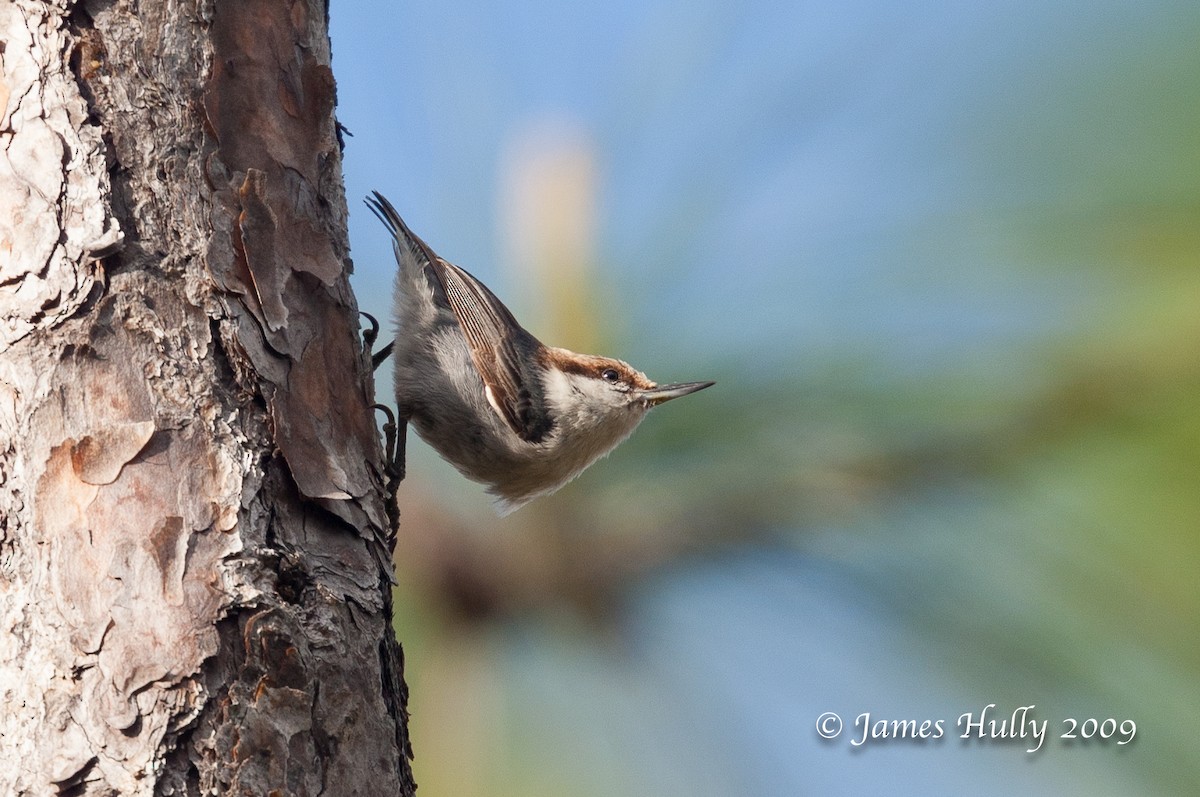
<point>194,587</point>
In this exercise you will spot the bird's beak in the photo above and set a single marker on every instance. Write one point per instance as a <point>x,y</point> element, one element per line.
<point>657,395</point>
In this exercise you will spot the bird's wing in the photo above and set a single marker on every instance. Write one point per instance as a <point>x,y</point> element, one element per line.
<point>503,353</point>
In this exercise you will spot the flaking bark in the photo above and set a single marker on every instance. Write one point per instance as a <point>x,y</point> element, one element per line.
<point>194,596</point>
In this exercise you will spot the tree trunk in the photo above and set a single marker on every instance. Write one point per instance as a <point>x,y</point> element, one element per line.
<point>194,595</point>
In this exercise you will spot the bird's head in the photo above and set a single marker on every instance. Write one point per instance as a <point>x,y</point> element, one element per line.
<point>591,392</point>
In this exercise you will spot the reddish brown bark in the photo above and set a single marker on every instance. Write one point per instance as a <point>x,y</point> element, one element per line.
<point>194,595</point>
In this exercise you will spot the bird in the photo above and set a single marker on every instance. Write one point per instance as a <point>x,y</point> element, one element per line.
<point>506,410</point>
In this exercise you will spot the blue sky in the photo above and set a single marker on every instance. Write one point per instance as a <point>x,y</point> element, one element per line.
<point>871,222</point>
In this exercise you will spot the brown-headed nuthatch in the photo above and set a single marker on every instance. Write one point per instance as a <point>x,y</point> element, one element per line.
<point>506,410</point>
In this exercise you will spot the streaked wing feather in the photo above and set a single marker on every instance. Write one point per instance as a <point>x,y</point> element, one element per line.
<point>501,350</point>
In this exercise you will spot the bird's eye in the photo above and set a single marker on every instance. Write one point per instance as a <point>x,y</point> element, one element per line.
<point>610,375</point>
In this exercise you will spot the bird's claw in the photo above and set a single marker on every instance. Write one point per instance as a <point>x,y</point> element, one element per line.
<point>393,445</point>
<point>369,337</point>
